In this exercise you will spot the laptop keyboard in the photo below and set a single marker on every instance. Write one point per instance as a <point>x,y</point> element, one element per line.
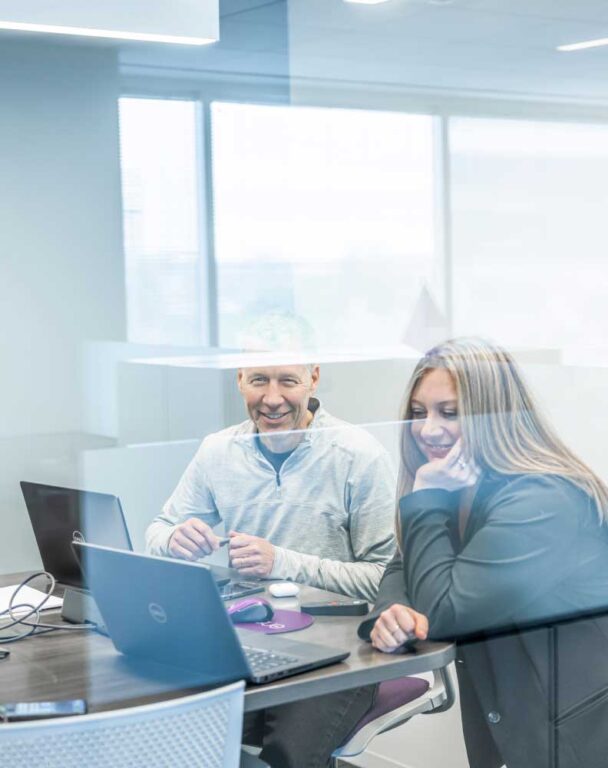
<point>262,660</point>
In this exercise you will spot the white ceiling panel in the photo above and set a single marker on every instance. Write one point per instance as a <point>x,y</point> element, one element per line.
<point>500,47</point>
<point>582,10</point>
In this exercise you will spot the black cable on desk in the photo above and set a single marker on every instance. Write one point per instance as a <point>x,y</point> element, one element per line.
<point>30,622</point>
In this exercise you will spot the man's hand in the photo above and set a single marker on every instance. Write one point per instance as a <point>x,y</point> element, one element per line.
<point>250,555</point>
<point>396,625</point>
<point>192,539</point>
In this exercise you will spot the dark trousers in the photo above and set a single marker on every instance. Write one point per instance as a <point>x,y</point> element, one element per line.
<point>305,733</point>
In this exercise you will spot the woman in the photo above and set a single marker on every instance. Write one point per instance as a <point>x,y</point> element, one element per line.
<point>504,546</point>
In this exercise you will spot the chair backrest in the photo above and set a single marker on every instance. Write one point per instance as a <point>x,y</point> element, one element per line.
<point>203,731</point>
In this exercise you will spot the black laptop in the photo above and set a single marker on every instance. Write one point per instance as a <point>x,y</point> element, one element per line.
<point>59,515</point>
<point>170,611</point>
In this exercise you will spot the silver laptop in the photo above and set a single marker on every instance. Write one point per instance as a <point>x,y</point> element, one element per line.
<point>170,611</point>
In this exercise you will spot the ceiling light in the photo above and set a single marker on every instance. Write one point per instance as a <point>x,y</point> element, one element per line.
<point>106,33</point>
<point>181,22</point>
<point>586,44</point>
<point>366,2</point>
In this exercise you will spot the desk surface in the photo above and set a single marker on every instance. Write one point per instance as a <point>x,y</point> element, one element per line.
<point>82,664</point>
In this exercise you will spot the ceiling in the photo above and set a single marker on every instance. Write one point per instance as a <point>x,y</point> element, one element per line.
<point>502,48</point>
<point>254,40</point>
<point>485,46</point>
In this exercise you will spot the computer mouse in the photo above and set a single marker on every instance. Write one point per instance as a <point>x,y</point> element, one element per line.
<point>284,589</point>
<point>249,610</point>
<point>410,644</point>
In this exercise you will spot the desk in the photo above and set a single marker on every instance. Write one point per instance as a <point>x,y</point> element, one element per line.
<point>85,665</point>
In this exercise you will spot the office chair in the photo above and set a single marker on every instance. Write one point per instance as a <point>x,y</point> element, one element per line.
<point>203,731</point>
<point>397,701</point>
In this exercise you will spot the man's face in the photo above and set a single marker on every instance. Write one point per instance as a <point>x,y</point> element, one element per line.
<point>277,397</point>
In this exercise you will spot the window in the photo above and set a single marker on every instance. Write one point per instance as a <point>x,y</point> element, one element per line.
<point>529,202</point>
<point>328,213</point>
<point>331,214</point>
<point>160,185</point>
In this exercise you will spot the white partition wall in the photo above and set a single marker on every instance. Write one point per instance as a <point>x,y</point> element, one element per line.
<point>143,476</point>
<point>165,399</point>
<point>61,266</point>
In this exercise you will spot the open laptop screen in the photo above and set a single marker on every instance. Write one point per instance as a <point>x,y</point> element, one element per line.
<point>58,515</point>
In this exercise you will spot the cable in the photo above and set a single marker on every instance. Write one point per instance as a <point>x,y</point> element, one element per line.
<point>36,626</point>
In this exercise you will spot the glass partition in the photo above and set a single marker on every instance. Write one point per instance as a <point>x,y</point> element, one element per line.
<point>394,175</point>
<point>314,215</point>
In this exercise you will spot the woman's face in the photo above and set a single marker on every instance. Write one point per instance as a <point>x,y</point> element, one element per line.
<point>435,422</point>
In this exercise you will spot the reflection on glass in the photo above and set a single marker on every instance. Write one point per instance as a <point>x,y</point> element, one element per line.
<point>327,213</point>
<point>528,197</point>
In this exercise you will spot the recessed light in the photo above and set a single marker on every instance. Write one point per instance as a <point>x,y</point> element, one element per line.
<point>366,2</point>
<point>106,33</point>
<point>585,44</point>
<point>185,22</point>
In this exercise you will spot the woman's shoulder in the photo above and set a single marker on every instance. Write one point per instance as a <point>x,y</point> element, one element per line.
<point>538,489</point>
<point>539,482</point>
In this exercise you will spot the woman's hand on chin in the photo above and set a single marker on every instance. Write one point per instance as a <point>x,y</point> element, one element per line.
<point>452,473</point>
<point>396,625</point>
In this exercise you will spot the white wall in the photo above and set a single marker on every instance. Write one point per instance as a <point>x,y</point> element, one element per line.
<point>61,267</point>
<point>61,272</point>
<point>143,476</point>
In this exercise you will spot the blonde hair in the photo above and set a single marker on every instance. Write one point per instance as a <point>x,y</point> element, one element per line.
<point>502,428</point>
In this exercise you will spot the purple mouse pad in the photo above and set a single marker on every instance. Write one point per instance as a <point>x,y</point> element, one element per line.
<point>282,621</point>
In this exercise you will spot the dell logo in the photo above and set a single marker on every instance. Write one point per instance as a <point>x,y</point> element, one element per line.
<point>158,613</point>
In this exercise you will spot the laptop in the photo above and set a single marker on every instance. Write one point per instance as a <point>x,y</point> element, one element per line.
<point>170,611</point>
<point>58,515</point>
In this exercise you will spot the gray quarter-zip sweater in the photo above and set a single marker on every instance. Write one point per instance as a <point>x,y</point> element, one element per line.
<point>329,511</point>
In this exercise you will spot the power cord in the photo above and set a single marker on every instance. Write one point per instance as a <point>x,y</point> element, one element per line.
<point>30,623</point>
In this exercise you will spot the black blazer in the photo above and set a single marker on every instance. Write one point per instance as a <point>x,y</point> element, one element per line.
<point>523,593</point>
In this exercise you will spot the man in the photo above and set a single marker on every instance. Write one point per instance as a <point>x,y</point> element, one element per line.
<point>303,495</point>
